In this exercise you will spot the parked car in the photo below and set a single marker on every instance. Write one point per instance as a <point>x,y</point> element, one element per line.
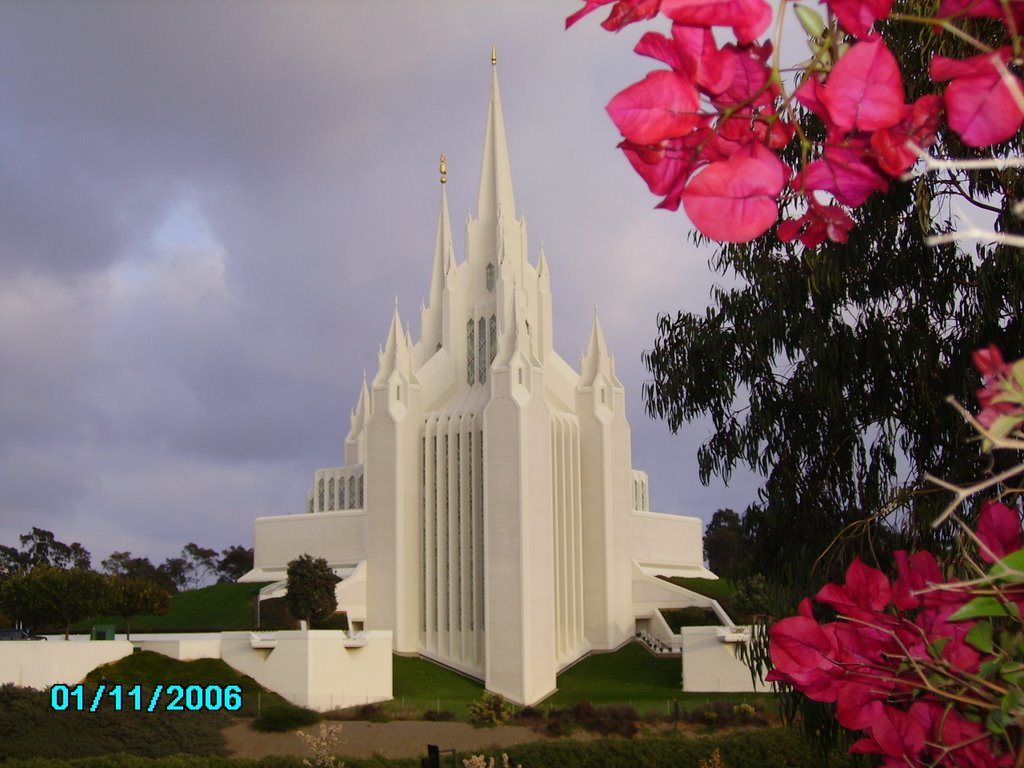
<point>19,634</point>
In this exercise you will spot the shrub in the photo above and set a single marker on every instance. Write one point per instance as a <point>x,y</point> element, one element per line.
<point>434,716</point>
<point>491,710</point>
<point>529,713</point>
<point>280,717</point>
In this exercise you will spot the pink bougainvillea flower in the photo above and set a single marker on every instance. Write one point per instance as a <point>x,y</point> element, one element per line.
<point>895,147</point>
<point>664,105</point>
<point>990,8</point>
<point>736,200</point>
<point>864,91</point>
<point>818,224</point>
<point>998,531</point>
<point>898,734</point>
<point>623,13</point>
<point>666,166</point>
<point>748,18</point>
<point>857,16</point>
<point>692,52</point>
<point>989,362</point>
<point>982,104</point>
<point>749,84</point>
<point>859,704</point>
<point>915,584</point>
<point>845,172</point>
<point>865,592</point>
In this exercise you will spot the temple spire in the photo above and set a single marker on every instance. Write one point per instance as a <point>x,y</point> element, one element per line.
<point>495,172</point>
<point>444,250</point>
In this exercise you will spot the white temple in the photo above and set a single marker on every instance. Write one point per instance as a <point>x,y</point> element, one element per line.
<point>486,511</point>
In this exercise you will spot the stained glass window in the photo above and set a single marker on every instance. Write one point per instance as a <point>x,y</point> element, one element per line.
<point>482,352</point>
<point>493,335</point>
<point>470,352</point>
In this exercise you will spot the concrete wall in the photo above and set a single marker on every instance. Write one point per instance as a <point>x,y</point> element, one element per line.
<point>40,664</point>
<point>710,665</point>
<point>673,540</point>
<point>338,537</point>
<point>185,649</point>
<point>320,669</point>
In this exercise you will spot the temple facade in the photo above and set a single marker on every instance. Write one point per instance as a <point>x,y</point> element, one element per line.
<point>486,510</point>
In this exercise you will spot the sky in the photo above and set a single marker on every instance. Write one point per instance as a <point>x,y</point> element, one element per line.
<point>208,208</point>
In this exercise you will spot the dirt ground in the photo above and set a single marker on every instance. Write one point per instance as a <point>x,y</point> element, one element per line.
<point>402,738</point>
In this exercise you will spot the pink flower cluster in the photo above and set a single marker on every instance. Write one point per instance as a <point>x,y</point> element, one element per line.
<point>1002,397</point>
<point>706,132</point>
<point>894,649</point>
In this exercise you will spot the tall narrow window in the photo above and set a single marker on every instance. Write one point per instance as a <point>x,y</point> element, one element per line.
<point>492,327</point>
<point>423,531</point>
<point>482,352</point>
<point>320,495</point>
<point>458,528</point>
<point>330,494</point>
<point>470,352</point>
<point>490,277</point>
<point>341,493</point>
<point>310,505</point>
<point>469,539</point>
<point>351,491</point>
<point>360,505</point>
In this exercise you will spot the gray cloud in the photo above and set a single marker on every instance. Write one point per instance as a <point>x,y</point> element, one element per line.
<point>206,210</point>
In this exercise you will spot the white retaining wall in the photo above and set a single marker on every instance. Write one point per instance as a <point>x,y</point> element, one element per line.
<point>40,664</point>
<point>711,665</point>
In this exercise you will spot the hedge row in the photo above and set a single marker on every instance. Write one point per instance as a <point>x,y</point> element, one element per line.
<point>769,748</point>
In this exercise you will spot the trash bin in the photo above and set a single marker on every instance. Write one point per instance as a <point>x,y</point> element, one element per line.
<point>102,632</point>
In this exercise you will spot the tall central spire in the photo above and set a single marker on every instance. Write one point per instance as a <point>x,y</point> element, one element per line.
<point>495,172</point>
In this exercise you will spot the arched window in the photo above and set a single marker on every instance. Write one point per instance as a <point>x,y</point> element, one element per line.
<point>482,351</point>
<point>351,491</point>
<point>320,495</point>
<point>360,492</point>
<point>470,353</point>
<point>330,494</point>
<point>341,493</point>
<point>492,327</point>
<point>490,277</point>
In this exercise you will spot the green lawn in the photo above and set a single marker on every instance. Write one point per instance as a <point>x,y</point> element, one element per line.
<point>717,589</point>
<point>629,675</point>
<point>633,676</point>
<point>421,685</point>
<point>218,608</point>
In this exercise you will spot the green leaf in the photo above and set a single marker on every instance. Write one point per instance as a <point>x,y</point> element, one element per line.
<point>996,722</point>
<point>980,606</point>
<point>1010,568</point>
<point>980,637</point>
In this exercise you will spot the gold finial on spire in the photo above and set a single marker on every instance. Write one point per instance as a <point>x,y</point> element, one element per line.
<point>494,56</point>
<point>444,169</point>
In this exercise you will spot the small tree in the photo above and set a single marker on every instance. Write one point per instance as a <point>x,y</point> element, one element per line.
<point>199,562</point>
<point>311,585</point>
<point>723,543</point>
<point>130,596</point>
<point>234,563</point>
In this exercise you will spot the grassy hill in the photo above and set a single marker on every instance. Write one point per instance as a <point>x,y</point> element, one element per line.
<point>221,607</point>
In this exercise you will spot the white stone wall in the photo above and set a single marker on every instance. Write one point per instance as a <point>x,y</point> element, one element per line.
<point>338,537</point>
<point>711,665</point>
<point>318,669</point>
<point>40,664</point>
